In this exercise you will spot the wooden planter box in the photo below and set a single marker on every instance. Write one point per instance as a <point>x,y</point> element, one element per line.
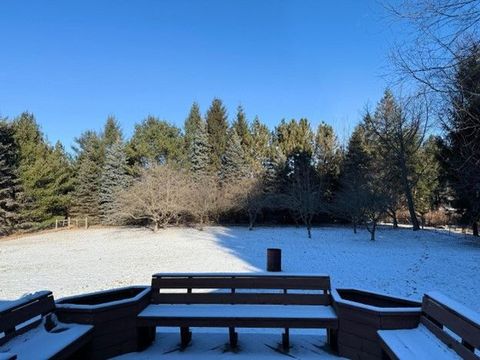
<point>362,313</point>
<point>113,313</point>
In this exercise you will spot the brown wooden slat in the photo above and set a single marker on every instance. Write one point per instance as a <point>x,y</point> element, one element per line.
<point>241,298</point>
<point>303,323</point>
<point>448,340</point>
<point>464,329</point>
<point>319,283</point>
<point>10,319</point>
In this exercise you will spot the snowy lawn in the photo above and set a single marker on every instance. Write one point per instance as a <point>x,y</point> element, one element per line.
<point>401,262</point>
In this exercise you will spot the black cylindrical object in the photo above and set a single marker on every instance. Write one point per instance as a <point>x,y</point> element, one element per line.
<point>274,259</point>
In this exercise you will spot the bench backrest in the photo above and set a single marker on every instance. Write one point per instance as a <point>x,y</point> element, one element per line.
<point>453,323</point>
<point>241,289</point>
<point>20,315</point>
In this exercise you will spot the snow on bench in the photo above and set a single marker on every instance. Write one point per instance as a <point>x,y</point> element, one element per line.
<point>292,301</point>
<point>300,312</point>
<point>39,343</point>
<point>30,330</point>
<point>448,330</point>
<point>418,343</point>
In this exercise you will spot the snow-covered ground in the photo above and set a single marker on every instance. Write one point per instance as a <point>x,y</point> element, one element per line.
<point>401,262</point>
<point>213,344</point>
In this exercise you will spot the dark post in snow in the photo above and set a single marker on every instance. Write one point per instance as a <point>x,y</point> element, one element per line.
<point>274,259</point>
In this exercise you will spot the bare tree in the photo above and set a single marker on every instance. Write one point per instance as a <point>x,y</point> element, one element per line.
<point>205,199</point>
<point>250,195</point>
<point>350,202</point>
<point>374,207</point>
<point>159,196</point>
<point>303,192</point>
<point>440,28</point>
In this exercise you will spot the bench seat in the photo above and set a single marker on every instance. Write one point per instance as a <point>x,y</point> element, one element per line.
<point>418,343</point>
<point>239,315</point>
<point>39,343</point>
<point>447,330</point>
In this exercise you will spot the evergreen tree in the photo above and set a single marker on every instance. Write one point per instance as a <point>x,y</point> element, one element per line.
<point>88,169</point>
<point>192,123</point>
<point>155,142</point>
<point>462,148</point>
<point>55,173</point>
<point>112,132</point>
<point>241,127</point>
<point>199,152</point>
<point>328,158</point>
<point>260,151</point>
<point>9,183</point>
<point>44,173</point>
<point>427,188</point>
<point>234,164</point>
<point>350,200</point>
<point>294,137</point>
<point>114,178</point>
<point>217,126</point>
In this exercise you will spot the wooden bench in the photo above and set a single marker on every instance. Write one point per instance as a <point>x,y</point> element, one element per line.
<point>447,330</point>
<point>240,300</point>
<point>29,330</point>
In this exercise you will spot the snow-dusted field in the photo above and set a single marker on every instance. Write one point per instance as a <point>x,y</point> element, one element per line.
<point>401,262</point>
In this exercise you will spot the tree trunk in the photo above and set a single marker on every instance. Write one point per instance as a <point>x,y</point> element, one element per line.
<point>372,233</point>
<point>251,217</point>
<point>308,222</point>
<point>354,226</point>
<point>155,226</point>
<point>409,195</point>
<point>475,228</point>
<point>394,219</point>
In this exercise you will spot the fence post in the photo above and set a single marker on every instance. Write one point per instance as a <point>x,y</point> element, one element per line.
<point>69,221</point>
<point>56,224</point>
<point>86,222</point>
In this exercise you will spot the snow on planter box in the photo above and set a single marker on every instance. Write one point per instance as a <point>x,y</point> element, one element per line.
<point>362,313</point>
<point>113,314</point>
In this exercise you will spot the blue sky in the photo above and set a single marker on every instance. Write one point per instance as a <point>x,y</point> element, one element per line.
<point>73,63</point>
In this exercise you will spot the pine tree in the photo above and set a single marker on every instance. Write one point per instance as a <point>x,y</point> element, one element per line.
<point>114,178</point>
<point>88,168</point>
<point>9,182</point>
<point>294,137</point>
<point>350,200</point>
<point>328,158</point>
<point>217,126</point>
<point>192,123</point>
<point>260,151</point>
<point>44,173</point>
<point>462,150</point>
<point>53,192</point>
<point>241,127</point>
<point>111,132</point>
<point>234,165</point>
<point>155,142</point>
<point>427,187</point>
<point>199,152</point>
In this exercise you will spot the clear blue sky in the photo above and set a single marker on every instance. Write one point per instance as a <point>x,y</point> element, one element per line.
<point>73,63</point>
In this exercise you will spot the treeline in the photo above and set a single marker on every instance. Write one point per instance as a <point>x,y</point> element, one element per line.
<point>220,171</point>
